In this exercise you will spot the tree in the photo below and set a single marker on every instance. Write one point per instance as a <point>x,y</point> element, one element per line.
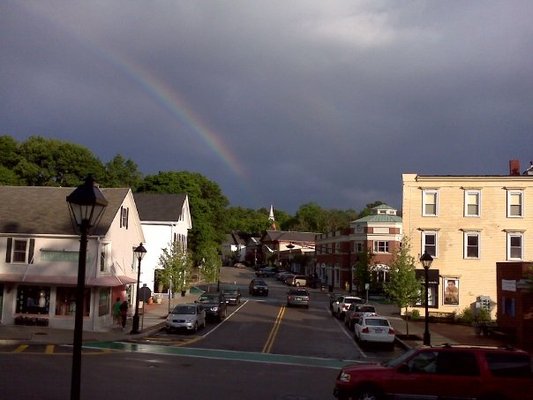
<point>247,220</point>
<point>362,270</point>
<point>403,287</point>
<point>176,264</point>
<point>211,263</point>
<point>208,205</point>
<point>51,162</point>
<point>120,172</point>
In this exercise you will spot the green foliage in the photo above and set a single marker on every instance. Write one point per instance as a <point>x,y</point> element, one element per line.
<point>362,270</point>
<point>177,267</point>
<point>208,205</point>
<point>311,217</point>
<point>403,287</point>
<point>51,162</point>
<point>415,314</point>
<point>247,220</point>
<point>210,262</point>
<point>120,172</point>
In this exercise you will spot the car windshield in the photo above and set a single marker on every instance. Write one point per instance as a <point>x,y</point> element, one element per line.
<point>367,309</point>
<point>349,300</point>
<point>298,292</point>
<point>399,360</point>
<point>230,291</point>
<point>184,310</point>
<point>208,298</point>
<point>260,283</point>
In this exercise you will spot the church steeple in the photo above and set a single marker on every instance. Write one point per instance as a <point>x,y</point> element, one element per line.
<point>271,219</point>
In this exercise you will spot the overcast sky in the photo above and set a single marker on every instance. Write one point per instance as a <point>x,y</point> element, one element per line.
<point>278,102</point>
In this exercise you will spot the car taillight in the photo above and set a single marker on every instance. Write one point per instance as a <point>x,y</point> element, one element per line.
<point>365,330</point>
<point>391,331</point>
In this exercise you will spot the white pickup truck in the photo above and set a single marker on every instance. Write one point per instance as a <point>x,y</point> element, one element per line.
<point>341,304</point>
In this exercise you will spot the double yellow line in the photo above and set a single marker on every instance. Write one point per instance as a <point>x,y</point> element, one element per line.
<point>272,336</point>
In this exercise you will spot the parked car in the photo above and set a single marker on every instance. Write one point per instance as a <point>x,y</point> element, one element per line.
<point>232,295</point>
<point>214,304</point>
<point>332,298</point>
<point>450,371</point>
<point>266,272</point>
<point>373,328</point>
<point>258,287</point>
<point>288,279</point>
<point>298,280</point>
<point>341,304</point>
<point>281,275</point>
<point>354,312</point>
<point>188,317</point>
<point>298,297</point>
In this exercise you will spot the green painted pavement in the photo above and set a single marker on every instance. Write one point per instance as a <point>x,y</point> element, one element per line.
<point>223,354</point>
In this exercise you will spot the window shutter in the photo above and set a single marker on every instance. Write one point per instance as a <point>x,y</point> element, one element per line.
<point>30,251</point>
<point>121,214</point>
<point>127,217</point>
<point>8,250</point>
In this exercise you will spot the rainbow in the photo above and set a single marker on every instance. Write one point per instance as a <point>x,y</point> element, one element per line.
<point>157,89</point>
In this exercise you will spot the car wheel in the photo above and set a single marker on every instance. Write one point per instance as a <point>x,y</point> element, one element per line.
<point>367,393</point>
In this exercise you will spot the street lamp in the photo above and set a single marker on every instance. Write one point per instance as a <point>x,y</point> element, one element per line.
<point>139,253</point>
<point>86,205</point>
<point>426,261</point>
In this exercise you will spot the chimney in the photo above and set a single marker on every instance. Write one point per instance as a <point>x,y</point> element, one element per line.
<point>514,167</point>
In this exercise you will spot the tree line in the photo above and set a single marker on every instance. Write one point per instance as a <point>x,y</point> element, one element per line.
<point>40,161</point>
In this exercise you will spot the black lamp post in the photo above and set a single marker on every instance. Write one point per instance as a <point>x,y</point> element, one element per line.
<point>86,204</point>
<point>426,261</point>
<point>139,253</point>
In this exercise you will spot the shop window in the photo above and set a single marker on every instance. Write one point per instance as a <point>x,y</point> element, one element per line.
<point>451,291</point>
<point>103,302</point>
<point>33,299</point>
<point>66,301</point>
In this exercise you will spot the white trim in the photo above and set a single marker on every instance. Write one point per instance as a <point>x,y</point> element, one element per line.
<point>467,194</point>
<point>511,235</point>
<point>435,194</point>
<point>466,235</point>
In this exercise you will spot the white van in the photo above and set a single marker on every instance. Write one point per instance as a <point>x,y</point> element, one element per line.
<point>299,280</point>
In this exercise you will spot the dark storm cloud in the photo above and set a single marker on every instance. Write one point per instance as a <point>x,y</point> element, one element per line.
<point>315,101</point>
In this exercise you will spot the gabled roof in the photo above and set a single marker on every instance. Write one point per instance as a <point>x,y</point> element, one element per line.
<point>159,206</point>
<point>44,210</point>
<point>288,236</point>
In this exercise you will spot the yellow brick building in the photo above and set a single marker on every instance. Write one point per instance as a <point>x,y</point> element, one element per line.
<point>468,224</point>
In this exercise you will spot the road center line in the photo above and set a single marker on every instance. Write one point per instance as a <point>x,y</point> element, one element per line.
<point>274,331</point>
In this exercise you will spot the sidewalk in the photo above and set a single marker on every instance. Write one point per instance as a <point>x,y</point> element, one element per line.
<point>440,333</point>
<point>151,320</point>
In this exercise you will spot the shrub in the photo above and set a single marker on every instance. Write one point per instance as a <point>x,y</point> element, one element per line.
<point>415,314</point>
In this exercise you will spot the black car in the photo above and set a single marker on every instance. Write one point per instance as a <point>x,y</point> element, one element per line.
<point>214,305</point>
<point>258,287</point>
<point>232,295</point>
<point>266,272</point>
